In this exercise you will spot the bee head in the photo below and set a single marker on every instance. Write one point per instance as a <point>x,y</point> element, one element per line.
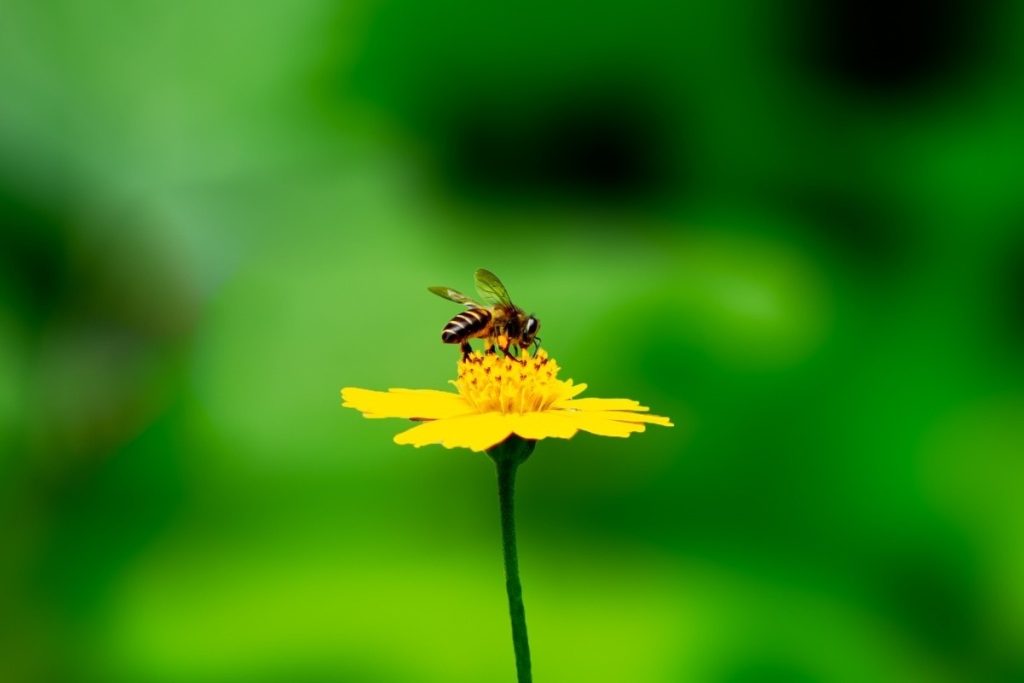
<point>530,328</point>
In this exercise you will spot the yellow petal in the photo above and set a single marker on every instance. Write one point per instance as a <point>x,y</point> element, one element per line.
<point>602,426</point>
<point>600,404</point>
<point>572,390</point>
<point>623,416</point>
<point>475,432</point>
<point>543,425</point>
<point>425,404</point>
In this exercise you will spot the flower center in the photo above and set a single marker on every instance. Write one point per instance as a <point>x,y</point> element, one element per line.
<point>495,383</point>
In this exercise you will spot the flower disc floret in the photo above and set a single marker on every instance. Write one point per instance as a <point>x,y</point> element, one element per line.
<point>489,382</point>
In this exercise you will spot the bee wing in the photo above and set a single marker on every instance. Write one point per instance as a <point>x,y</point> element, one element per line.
<point>453,295</point>
<point>490,288</point>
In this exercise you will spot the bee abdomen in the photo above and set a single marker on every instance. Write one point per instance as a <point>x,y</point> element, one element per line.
<point>465,325</point>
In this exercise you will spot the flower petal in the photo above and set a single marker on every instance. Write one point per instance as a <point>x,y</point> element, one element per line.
<point>602,426</point>
<point>425,404</point>
<point>475,432</point>
<point>571,390</point>
<point>623,416</point>
<point>551,423</point>
<point>600,404</point>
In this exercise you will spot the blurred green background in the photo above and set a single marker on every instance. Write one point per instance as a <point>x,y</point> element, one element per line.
<point>794,227</point>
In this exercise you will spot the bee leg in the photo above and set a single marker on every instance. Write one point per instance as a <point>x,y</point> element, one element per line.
<point>489,346</point>
<point>513,356</point>
<point>467,350</point>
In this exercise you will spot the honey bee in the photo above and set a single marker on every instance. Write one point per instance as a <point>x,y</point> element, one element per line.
<point>502,323</point>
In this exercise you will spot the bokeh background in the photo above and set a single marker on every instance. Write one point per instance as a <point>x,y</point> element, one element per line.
<point>795,227</point>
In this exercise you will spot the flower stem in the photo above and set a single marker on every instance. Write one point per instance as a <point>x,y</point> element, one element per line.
<point>507,457</point>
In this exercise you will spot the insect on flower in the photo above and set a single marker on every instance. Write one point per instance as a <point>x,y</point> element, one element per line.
<point>503,323</point>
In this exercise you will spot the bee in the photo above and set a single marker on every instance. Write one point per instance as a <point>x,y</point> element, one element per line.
<point>502,323</point>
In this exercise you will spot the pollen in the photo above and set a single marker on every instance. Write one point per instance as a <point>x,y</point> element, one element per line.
<point>501,384</point>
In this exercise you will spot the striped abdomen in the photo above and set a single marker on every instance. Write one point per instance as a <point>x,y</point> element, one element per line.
<point>465,325</point>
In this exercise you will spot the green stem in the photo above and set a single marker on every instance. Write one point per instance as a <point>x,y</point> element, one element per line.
<point>507,457</point>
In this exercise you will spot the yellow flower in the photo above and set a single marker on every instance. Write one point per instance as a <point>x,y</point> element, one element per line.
<point>498,397</point>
